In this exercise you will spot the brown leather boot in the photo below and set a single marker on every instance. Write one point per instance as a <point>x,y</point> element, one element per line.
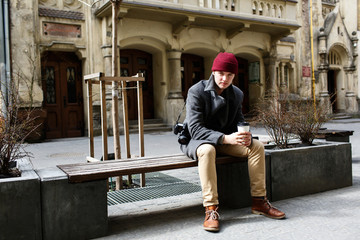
<point>262,206</point>
<point>211,222</point>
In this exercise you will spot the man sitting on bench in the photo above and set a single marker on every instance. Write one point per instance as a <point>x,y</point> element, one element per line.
<point>213,110</point>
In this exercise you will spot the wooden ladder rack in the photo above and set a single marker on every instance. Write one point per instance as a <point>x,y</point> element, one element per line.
<point>99,78</point>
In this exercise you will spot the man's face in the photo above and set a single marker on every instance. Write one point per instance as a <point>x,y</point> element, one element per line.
<point>223,79</point>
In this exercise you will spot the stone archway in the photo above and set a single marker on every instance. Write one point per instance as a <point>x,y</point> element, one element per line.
<point>133,61</point>
<point>249,78</point>
<point>339,81</point>
<point>155,48</point>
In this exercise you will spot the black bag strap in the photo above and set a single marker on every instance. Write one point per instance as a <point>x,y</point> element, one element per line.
<point>182,110</point>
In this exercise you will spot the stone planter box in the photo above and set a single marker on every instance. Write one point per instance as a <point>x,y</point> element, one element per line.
<point>20,205</point>
<point>290,173</point>
<point>234,184</point>
<point>72,210</point>
<point>311,169</point>
<point>42,204</point>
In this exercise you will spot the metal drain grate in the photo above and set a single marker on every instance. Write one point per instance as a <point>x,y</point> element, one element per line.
<point>158,186</point>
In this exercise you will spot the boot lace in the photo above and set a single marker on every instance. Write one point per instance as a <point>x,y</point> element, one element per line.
<point>213,214</point>
<point>269,205</point>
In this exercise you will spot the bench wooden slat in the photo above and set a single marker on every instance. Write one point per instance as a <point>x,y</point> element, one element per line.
<point>84,169</point>
<point>176,156</point>
<point>122,164</point>
<point>82,172</point>
<point>324,133</point>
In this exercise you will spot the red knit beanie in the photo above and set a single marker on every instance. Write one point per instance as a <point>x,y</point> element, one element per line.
<point>225,62</point>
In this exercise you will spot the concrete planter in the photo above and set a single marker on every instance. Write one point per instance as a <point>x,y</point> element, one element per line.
<point>234,185</point>
<point>311,169</point>
<point>72,210</point>
<point>290,173</point>
<point>44,205</point>
<point>20,205</point>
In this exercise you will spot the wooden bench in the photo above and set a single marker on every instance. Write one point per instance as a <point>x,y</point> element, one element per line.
<point>232,173</point>
<point>83,172</point>
<point>83,190</point>
<point>334,135</point>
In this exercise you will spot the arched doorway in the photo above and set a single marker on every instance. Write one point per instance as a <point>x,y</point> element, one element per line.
<point>63,98</point>
<point>242,82</point>
<point>133,61</point>
<point>192,71</point>
<point>335,80</point>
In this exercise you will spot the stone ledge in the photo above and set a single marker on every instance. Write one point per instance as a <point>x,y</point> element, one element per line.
<point>72,211</point>
<point>20,205</point>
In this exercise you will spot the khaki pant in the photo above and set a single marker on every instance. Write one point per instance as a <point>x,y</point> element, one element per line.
<point>207,168</point>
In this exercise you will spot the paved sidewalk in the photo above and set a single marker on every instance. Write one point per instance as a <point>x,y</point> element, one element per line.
<point>329,215</point>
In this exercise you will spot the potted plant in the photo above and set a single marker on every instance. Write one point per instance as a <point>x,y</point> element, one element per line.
<point>304,166</point>
<point>20,206</point>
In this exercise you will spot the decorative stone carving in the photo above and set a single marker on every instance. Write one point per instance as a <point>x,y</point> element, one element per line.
<point>322,49</point>
<point>48,3</point>
<point>267,8</point>
<point>72,4</point>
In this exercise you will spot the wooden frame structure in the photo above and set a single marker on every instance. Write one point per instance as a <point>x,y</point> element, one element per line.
<point>99,78</point>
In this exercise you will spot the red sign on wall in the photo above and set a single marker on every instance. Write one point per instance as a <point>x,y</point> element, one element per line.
<point>62,30</point>
<point>306,71</point>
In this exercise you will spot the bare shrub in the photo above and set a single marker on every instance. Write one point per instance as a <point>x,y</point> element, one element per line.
<point>273,112</point>
<point>309,119</point>
<point>286,117</point>
<point>15,127</point>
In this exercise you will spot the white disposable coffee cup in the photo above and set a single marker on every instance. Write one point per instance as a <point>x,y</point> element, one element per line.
<point>243,127</point>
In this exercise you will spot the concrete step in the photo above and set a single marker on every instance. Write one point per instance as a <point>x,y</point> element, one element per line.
<point>150,125</point>
<point>339,116</point>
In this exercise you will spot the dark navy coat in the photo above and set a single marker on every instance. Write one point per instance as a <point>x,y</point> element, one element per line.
<point>209,116</point>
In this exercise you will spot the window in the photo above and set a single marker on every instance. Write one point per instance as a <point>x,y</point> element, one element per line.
<point>71,85</point>
<point>334,58</point>
<point>50,85</point>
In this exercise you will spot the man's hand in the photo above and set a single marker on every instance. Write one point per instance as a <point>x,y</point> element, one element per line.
<point>238,138</point>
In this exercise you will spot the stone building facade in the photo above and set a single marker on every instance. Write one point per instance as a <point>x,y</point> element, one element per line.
<point>54,43</point>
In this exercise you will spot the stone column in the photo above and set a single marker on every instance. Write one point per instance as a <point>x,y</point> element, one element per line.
<point>107,55</point>
<point>175,99</point>
<point>292,78</point>
<point>323,83</point>
<point>222,4</point>
<point>283,83</point>
<point>323,71</point>
<point>206,3</point>
<point>270,60</point>
<point>355,64</point>
<point>324,96</point>
<point>270,75</point>
<point>174,59</point>
<point>323,67</point>
<point>350,96</point>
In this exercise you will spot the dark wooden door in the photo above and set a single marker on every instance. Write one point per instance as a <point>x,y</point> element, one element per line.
<point>242,82</point>
<point>63,99</point>
<point>192,71</point>
<point>132,62</point>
